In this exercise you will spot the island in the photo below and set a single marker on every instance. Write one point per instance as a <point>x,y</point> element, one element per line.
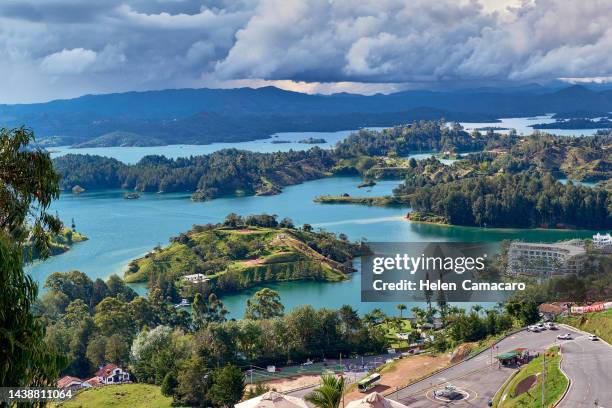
<point>510,182</point>
<point>59,243</point>
<point>313,140</point>
<point>243,252</point>
<point>576,123</point>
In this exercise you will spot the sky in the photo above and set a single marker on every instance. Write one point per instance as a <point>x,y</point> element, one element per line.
<point>65,48</point>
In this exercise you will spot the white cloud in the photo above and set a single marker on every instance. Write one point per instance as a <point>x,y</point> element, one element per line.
<point>73,61</point>
<point>71,47</point>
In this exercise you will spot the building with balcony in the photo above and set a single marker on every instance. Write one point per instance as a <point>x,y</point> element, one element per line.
<point>546,260</point>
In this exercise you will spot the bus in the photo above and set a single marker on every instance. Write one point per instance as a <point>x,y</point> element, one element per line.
<point>368,382</point>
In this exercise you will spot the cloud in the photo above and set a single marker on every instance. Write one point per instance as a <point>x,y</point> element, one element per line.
<point>73,61</point>
<point>72,47</point>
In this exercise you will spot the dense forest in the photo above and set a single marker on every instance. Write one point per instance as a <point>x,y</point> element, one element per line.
<point>224,172</point>
<point>501,159</point>
<point>426,136</point>
<point>96,322</point>
<point>526,199</point>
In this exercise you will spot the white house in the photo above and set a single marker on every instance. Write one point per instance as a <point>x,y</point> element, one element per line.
<point>602,241</point>
<point>112,374</point>
<point>196,278</point>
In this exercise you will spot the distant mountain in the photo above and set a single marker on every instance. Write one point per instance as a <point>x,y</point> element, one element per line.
<point>202,116</point>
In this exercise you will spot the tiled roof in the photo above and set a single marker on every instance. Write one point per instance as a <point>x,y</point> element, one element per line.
<point>66,380</point>
<point>106,370</point>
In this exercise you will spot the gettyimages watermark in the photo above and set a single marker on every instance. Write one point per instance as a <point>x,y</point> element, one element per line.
<point>434,272</point>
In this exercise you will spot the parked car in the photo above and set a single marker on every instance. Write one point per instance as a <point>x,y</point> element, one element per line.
<point>550,326</point>
<point>566,336</point>
<point>593,337</point>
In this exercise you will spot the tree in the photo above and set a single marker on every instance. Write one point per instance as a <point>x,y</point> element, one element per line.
<point>169,384</point>
<point>113,317</point>
<point>228,386</point>
<point>401,307</point>
<point>28,184</point>
<point>207,311</point>
<point>264,304</point>
<point>194,383</point>
<point>328,394</point>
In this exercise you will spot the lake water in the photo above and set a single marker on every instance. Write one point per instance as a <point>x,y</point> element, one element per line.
<point>120,230</point>
<point>134,154</point>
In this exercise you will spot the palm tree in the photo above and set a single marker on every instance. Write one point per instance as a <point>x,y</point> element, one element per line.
<point>328,394</point>
<point>477,309</point>
<point>401,307</point>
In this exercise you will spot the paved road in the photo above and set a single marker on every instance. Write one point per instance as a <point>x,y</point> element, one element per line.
<point>589,366</point>
<point>478,377</point>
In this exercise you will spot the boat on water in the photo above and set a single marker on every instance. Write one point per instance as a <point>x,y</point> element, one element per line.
<point>131,196</point>
<point>184,303</point>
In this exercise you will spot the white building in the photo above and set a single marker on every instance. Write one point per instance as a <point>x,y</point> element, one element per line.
<point>110,374</point>
<point>546,260</point>
<point>601,241</point>
<point>196,278</point>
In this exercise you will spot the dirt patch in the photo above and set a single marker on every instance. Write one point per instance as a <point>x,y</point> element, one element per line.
<point>251,262</point>
<point>525,385</point>
<point>403,372</point>
<point>461,352</point>
<point>246,231</point>
<point>286,384</point>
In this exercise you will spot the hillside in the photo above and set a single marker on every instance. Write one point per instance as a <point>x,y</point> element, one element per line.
<point>237,255</point>
<point>58,243</point>
<point>120,396</point>
<point>599,324</point>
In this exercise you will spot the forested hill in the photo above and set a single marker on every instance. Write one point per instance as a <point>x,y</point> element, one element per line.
<point>201,116</point>
<point>369,153</point>
<point>245,251</point>
<point>209,176</point>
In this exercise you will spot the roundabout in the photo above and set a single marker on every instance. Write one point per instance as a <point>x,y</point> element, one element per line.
<point>450,393</point>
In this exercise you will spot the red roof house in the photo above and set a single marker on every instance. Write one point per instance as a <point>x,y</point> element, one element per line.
<point>112,374</point>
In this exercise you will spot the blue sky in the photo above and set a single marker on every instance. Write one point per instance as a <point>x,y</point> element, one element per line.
<point>63,48</point>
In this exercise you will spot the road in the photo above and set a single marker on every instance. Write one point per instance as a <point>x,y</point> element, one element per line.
<point>477,377</point>
<point>589,365</point>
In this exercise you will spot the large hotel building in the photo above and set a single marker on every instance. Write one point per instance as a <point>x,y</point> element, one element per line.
<point>546,260</point>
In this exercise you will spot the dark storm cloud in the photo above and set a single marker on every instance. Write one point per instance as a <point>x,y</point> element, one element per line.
<point>58,48</point>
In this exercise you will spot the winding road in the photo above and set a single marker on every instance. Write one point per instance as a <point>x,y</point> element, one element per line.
<point>587,363</point>
<point>589,366</point>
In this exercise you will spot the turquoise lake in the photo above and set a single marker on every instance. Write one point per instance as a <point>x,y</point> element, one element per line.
<point>133,154</point>
<point>120,230</point>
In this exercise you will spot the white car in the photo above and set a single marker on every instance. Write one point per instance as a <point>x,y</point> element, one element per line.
<point>550,326</point>
<point>593,337</point>
<point>566,336</point>
<point>540,326</point>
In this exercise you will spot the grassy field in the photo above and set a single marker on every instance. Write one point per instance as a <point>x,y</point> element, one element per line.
<point>120,396</point>
<point>554,386</point>
<point>599,323</point>
<point>255,254</point>
<point>392,331</point>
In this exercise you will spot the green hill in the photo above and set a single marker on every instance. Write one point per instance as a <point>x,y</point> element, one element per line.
<point>241,256</point>
<point>58,243</point>
<point>120,396</point>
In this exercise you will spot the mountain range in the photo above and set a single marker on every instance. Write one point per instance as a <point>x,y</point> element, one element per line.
<point>202,116</point>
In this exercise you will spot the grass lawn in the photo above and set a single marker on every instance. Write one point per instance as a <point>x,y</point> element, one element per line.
<point>391,330</point>
<point>599,323</point>
<point>120,396</point>
<point>555,384</point>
